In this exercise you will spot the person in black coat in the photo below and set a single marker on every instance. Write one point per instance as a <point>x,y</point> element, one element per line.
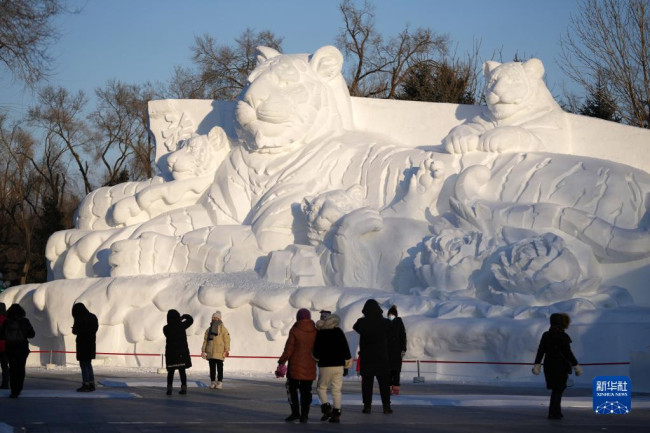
<point>177,352</point>
<point>85,327</point>
<point>16,331</point>
<point>555,349</point>
<point>332,353</point>
<point>373,330</point>
<point>396,348</point>
<point>4,364</point>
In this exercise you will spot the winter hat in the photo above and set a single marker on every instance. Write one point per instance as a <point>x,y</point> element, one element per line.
<point>324,314</point>
<point>393,310</point>
<point>302,314</point>
<point>217,313</point>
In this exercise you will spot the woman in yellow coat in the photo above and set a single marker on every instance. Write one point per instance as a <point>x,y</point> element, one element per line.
<point>216,347</point>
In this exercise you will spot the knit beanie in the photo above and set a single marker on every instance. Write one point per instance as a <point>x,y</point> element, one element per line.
<point>302,314</point>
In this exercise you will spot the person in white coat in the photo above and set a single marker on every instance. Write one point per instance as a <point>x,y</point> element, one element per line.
<point>216,348</point>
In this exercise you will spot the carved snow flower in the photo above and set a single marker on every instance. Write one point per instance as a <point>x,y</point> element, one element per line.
<point>447,260</point>
<point>533,271</point>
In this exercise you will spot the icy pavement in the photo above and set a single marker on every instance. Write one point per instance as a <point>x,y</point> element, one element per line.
<point>129,400</point>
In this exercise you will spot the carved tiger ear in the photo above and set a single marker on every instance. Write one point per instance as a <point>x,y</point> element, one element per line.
<point>327,61</point>
<point>490,66</point>
<point>534,68</point>
<point>266,53</point>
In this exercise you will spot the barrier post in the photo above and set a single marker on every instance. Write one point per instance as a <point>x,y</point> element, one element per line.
<point>418,378</point>
<point>50,365</point>
<point>162,369</point>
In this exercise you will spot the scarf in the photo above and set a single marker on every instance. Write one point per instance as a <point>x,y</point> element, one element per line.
<point>214,329</point>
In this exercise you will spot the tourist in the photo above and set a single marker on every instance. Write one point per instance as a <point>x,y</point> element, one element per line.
<point>216,347</point>
<point>85,327</point>
<point>302,367</point>
<point>555,349</point>
<point>373,331</point>
<point>16,330</point>
<point>3,356</point>
<point>177,352</point>
<point>396,348</point>
<point>332,352</point>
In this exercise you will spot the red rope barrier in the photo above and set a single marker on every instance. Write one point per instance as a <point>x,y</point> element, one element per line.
<point>407,361</point>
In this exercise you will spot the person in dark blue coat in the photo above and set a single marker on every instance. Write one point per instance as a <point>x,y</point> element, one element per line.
<point>16,330</point>
<point>555,349</point>
<point>85,327</point>
<point>177,352</point>
<point>373,329</point>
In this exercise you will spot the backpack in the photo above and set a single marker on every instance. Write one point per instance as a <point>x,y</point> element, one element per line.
<point>13,332</point>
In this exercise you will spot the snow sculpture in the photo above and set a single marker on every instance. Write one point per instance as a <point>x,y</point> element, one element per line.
<point>290,118</point>
<point>289,198</point>
<point>522,114</point>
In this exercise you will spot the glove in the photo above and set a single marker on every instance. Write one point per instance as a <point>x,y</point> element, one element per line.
<point>345,372</point>
<point>578,370</point>
<point>281,371</point>
<point>204,355</point>
<point>537,369</point>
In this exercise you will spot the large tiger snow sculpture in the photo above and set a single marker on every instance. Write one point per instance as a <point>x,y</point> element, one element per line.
<point>293,122</point>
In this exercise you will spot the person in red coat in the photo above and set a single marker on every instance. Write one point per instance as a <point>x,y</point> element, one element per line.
<point>302,366</point>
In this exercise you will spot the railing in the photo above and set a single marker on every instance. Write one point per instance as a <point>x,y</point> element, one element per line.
<point>408,361</point>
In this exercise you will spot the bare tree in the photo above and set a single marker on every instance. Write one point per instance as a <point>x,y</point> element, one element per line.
<point>26,34</point>
<point>611,38</point>
<point>20,190</point>
<point>61,116</point>
<point>379,68</point>
<point>222,70</point>
<point>123,144</point>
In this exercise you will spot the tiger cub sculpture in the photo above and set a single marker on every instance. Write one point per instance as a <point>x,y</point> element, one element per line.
<point>521,114</point>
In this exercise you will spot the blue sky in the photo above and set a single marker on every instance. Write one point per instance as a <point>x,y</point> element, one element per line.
<point>135,41</point>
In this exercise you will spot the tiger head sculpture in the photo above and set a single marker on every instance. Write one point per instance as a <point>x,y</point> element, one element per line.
<point>292,99</point>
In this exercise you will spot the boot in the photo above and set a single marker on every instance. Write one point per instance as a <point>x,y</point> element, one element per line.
<point>387,409</point>
<point>295,413</point>
<point>326,409</point>
<point>366,408</point>
<point>169,390</point>
<point>213,385</point>
<point>336,416</point>
<point>219,385</point>
<point>91,386</point>
<point>84,387</point>
<point>304,413</point>
<point>183,390</point>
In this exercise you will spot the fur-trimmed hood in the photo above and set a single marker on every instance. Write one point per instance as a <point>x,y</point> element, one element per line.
<point>330,322</point>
